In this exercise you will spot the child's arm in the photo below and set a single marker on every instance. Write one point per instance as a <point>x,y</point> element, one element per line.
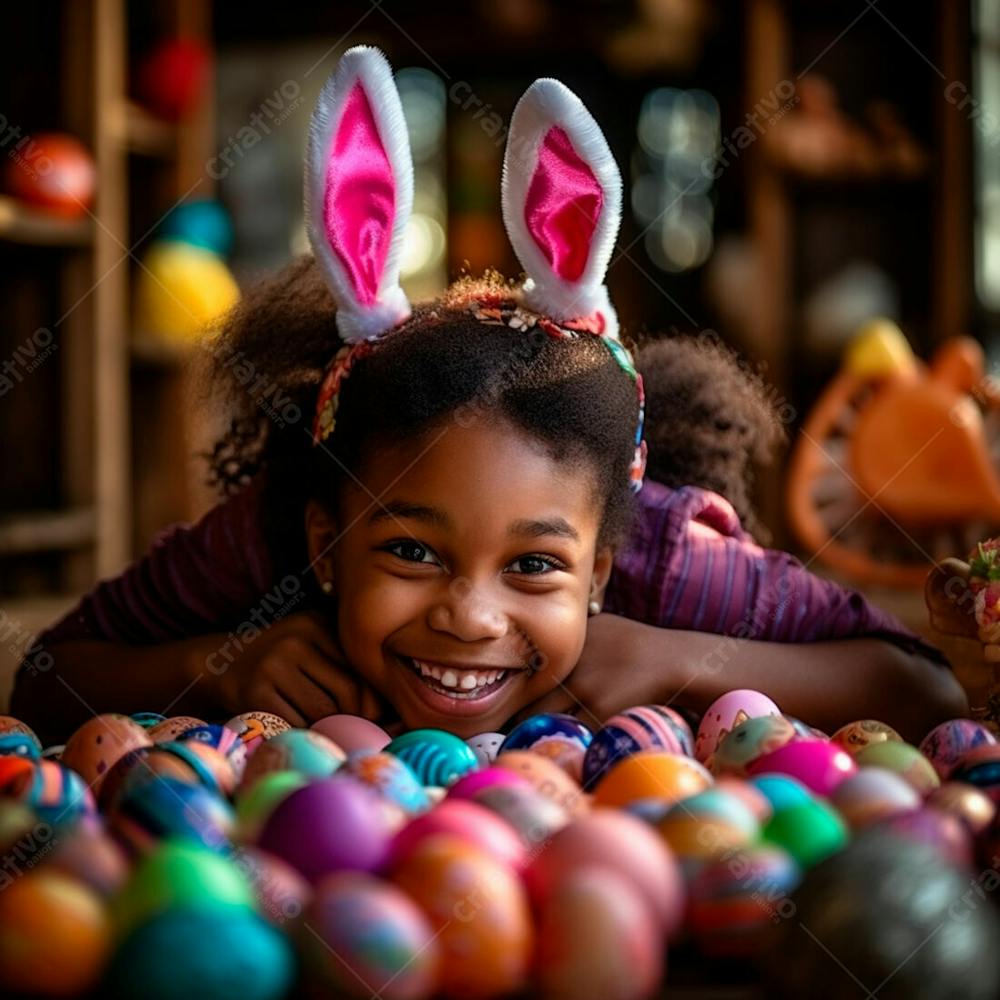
<point>826,684</point>
<point>293,668</point>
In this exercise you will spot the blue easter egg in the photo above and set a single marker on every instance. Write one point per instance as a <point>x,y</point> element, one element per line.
<point>202,223</point>
<point>392,777</point>
<point>645,727</point>
<point>545,728</point>
<point>435,757</point>
<point>781,790</point>
<point>20,745</point>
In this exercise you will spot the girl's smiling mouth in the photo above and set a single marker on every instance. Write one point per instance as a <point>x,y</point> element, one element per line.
<point>465,689</point>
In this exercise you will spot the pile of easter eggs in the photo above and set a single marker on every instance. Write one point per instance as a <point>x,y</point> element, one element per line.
<point>176,858</point>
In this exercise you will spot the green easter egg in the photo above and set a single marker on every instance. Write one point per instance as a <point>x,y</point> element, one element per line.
<point>810,831</point>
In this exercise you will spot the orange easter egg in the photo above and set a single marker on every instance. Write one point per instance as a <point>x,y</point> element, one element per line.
<point>548,778</point>
<point>652,774</point>
<point>100,743</point>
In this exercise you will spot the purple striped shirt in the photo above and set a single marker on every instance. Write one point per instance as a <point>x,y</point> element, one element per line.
<point>687,565</point>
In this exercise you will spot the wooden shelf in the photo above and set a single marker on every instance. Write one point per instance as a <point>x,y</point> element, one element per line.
<point>157,352</point>
<point>20,223</point>
<point>143,133</point>
<point>50,531</point>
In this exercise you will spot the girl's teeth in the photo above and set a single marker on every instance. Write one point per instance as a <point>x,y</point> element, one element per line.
<point>468,682</point>
<point>449,679</point>
<point>465,680</point>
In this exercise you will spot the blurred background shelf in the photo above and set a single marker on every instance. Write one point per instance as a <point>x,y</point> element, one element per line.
<point>22,224</point>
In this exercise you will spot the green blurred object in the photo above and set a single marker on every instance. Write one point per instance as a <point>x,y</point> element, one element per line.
<point>810,832</point>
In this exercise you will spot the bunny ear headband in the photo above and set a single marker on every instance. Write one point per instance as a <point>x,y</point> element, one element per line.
<point>561,197</point>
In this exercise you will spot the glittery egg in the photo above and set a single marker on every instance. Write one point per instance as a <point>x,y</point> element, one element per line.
<point>736,900</point>
<point>547,778</point>
<point>809,832</point>
<point>651,774</point>
<point>58,794</point>
<point>646,727</point>
<point>255,727</point>
<point>367,938</point>
<point>903,758</point>
<point>980,768</point>
<point>750,740</point>
<point>485,746</point>
<point>473,823</point>
<point>329,825</point>
<point>874,794</point>
<point>706,826</point>
<point>352,732</point>
<point>152,811</point>
<point>820,766</point>
<point>945,744</point>
<point>280,892</point>
<point>436,757</point>
<point>855,736</point>
<point>626,845</point>
<point>302,750</point>
<point>18,739</point>
<point>173,728</point>
<point>725,714</point>
<point>254,805</point>
<point>972,806</point>
<point>596,938</point>
<point>99,743</point>
<point>479,916</point>
<point>535,817</point>
<point>391,777</point>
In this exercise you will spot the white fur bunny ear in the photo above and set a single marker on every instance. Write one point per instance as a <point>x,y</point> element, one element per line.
<point>562,204</point>
<point>359,193</point>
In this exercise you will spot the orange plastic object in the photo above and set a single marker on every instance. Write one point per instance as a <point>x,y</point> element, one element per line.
<point>910,447</point>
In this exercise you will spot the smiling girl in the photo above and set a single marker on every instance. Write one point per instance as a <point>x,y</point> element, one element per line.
<point>462,515</point>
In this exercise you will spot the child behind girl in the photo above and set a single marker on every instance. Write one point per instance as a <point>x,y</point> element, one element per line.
<point>464,537</point>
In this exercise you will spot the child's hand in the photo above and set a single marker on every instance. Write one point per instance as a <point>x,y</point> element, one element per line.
<point>609,677</point>
<point>295,669</point>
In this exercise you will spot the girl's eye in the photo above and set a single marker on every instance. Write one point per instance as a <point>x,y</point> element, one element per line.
<point>536,565</point>
<point>411,551</point>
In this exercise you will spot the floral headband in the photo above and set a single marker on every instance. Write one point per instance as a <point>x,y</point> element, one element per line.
<point>561,198</point>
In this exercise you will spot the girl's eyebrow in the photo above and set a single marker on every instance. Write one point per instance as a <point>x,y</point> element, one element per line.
<point>394,509</point>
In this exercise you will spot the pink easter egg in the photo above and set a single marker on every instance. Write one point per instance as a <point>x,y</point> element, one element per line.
<point>725,714</point>
<point>946,744</point>
<point>471,784</point>
<point>819,765</point>
<point>469,821</point>
<point>351,732</point>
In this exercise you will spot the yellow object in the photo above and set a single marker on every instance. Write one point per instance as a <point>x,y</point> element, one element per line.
<point>878,349</point>
<point>183,290</point>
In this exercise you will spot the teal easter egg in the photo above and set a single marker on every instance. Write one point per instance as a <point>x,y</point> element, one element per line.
<point>148,719</point>
<point>18,739</point>
<point>749,740</point>
<point>809,832</point>
<point>203,223</point>
<point>435,757</point>
<point>392,777</point>
<point>368,938</point>
<point>301,750</point>
<point>208,954</point>
<point>781,790</point>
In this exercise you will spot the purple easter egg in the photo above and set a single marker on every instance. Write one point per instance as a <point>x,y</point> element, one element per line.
<point>944,745</point>
<point>819,765</point>
<point>334,824</point>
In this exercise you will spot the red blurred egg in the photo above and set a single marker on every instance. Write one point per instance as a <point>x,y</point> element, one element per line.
<point>53,171</point>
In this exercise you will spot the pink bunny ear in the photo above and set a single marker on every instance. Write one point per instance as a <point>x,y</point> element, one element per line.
<point>359,193</point>
<point>561,197</point>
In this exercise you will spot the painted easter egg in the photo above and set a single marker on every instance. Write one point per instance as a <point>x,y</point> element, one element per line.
<point>302,750</point>
<point>651,774</point>
<point>597,938</point>
<point>18,739</point>
<point>367,938</point>
<point>154,810</point>
<point>874,794</point>
<point>436,757</point>
<point>280,892</point>
<point>646,727</point>
<point>628,846</point>
<point>99,743</point>
<point>820,766</point>
<point>54,935</point>
<point>173,728</point>
<point>725,714</point>
<point>479,916</point>
<point>148,719</point>
<point>485,746</point>
<point>534,816</point>
<point>254,805</point>
<point>470,822</point>
<point>549,727</point>
<point>944,745</point>
<point>749,741</point>
<point>352,732</point>
<point>980,768</point>
<point>328,825</point>
<point>903,758</point>
<point>809,832</point>
<point>735,901</point>
<point>193,762</point>
<point>971,805</point>
<point>706,826</point>
<point>945,833</point>
<point>255,727</point>
<point>547,778</point>
<point>855,736</point>
<point>59,796</point>
<point>220,738</point>
<point>391,777</point>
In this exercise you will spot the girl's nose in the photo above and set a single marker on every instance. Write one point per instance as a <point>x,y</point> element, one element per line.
<point>468,612</point>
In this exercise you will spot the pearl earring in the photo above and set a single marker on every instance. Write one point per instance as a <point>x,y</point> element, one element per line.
<point>327,586</point>
<point>594,607</point>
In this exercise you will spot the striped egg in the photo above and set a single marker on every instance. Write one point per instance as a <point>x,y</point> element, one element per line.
<point>646,727</point>
<point>436,757</point>
<point>59,795</point>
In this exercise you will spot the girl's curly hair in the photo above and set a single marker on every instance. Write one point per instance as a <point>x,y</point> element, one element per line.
<point>705,422</point>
